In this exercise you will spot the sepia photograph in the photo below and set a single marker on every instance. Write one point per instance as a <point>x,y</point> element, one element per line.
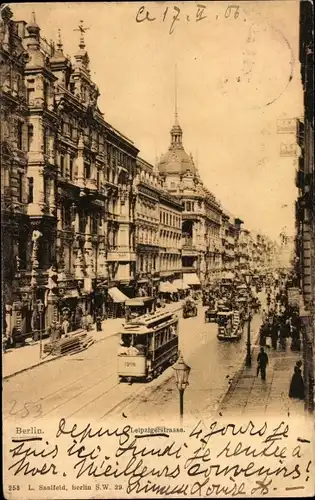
<point>157,249</point>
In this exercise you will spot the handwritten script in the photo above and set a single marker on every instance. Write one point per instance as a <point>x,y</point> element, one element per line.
<point>173,15</point>
<point>225,459</point>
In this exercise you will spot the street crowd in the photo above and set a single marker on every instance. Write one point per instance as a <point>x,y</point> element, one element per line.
<point>281,323</point>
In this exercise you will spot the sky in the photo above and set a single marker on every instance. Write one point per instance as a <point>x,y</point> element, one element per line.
<point>238,74</point>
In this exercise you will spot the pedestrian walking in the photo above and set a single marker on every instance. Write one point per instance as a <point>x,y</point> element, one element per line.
<point>296,389</point>
<point>262,362</point>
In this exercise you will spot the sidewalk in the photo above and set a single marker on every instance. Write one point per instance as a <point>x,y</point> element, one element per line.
<point>248,394</point>
<point>24,358</point>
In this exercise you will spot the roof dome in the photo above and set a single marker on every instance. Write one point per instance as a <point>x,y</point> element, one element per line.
<point>32,27</point>
<point>176,160</point>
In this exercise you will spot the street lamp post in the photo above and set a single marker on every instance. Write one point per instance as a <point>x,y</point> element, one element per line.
<point>40,307</point>
<point>248,361</point>
<point>182,373</point>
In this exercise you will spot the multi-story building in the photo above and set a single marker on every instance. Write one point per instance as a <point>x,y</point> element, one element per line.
<point>147,226</point>
<point>14,196</point>
<point>201,243</point>
<point>305,206</point>
<point>229,235</point>
<point>170,237</point>
<point>78,237</point>
<point>244,249</point>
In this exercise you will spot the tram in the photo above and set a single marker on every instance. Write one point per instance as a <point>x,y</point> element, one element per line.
<point>148,345</point>
<point>229,326</point>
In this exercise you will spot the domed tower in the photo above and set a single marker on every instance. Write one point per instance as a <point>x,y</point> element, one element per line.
<point>175,162</point>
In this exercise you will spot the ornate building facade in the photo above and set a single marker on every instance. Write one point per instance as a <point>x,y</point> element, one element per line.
<point>201,218</point>
<point>14,127</point>
<point>77,192</point>
<point>305,205</point>
<point>158,220</point>
<point>147,226</point>
<point>229,235</point>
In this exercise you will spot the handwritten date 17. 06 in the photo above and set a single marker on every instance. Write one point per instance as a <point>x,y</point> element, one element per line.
<point>174,15</point>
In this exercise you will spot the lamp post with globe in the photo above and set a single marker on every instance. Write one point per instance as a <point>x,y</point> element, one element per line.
<point>181,373</point>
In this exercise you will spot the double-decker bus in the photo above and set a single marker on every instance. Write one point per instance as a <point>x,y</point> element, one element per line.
<point>148,345</point>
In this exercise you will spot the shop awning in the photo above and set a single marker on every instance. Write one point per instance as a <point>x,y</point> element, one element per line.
<point>191,279</point>
<point>180,285</point>
<point>173,288</point>
<point>167,287</point>
<point>164,287</point>
<point>138,301</point>
<point>116,295</point>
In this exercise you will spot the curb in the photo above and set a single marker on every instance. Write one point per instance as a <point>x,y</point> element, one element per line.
<point>60,356</point>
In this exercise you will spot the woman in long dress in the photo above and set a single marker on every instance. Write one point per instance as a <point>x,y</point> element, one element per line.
<point>296,390</point>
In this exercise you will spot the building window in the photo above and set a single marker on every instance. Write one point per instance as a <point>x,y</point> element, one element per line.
<point>71,168</point>
<point>87,171</point>
<point>46,191</point>
<point>82,222</point>
<point>45,94</point>
<point>30,134</point>
<point>62,165</point>
<point>45,141</point>
<point>71,130</point>
<point>30,198</point>
<point>20,135</point>
<point>20,187</point>
<point>94,224</point>
<point>66,217</point>
<point>29,95</point>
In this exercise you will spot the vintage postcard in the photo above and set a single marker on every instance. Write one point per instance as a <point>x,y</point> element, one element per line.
<point>157,221</point>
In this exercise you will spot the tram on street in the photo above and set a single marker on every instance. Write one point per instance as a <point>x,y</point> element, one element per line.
<point>229,326</point>
<point>148,345</point>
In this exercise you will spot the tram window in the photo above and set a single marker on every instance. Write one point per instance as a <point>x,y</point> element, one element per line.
<point>126,339</point>
<point>173,330</point>
<point>158,339</point>
<point>140,339</point>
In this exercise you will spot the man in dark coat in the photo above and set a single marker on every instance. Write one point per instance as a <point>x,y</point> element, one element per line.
<point>262,362</point>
